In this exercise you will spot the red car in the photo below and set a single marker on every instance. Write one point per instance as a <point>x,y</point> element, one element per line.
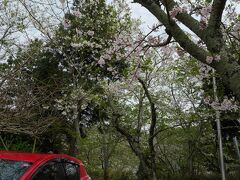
<point>33,166</point>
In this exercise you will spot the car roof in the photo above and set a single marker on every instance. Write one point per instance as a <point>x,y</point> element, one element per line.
<point>30,157</point>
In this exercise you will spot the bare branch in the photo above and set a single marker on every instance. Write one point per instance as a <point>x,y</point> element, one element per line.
<point>166,42</point>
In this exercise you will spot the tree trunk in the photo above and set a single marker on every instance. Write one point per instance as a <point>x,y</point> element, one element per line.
<point>145,172</point>
<point>105,157</point>
<point>76,127</point>
<point>77,134</point>
<point>190,159</point>
<point>72,151</point>
<point>74,140</point>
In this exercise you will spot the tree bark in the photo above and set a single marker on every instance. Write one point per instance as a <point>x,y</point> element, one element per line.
<point>190,159</point>
<point>151,130</point>
<point>75,140</point>
<point>105,154</point>
<point>72,151</point>
<point>144,172</point>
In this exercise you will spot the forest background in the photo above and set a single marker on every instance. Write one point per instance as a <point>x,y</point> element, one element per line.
<point>83,78</point>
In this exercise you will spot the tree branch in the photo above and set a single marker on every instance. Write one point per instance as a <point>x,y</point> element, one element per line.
<point>213,35</point>
<point>166,42</point>
<point>214,22</point>
<point>184,41</point>
<point>186,19</point>
<point>228,67</point>
<point>153,116</point>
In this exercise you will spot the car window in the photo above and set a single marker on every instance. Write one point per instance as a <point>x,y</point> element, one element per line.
<point>13,170</point>
<point>71,171</point>
<point>51,171</point>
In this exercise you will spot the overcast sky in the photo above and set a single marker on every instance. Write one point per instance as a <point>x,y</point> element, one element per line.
<point>140,12</point>
<point>147,18</point>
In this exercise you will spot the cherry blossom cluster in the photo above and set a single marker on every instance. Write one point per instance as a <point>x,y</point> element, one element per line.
<point>210,59</point>
<point>68,104</point>
<point>124,43</point>
<point>226,105</point>
<point>205,71</point>
<point>231,13</point>
<point>205,13</point>
<point>176,10</point>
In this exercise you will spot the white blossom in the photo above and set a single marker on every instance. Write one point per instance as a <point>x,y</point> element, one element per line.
<point>90,33</point>
<point>101,61</point>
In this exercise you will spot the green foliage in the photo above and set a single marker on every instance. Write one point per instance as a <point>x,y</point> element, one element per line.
<point>15,142</point>
<point>5,2</point>
<point>61,80</point>
<point>208,1</point>
<point>100,20</point>
<point>123,175</point>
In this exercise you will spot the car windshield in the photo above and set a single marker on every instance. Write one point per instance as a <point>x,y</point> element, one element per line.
<point>13,170</point>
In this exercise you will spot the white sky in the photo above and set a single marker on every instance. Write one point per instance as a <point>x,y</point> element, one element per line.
<point>147,18</point>
<point>140,12</point>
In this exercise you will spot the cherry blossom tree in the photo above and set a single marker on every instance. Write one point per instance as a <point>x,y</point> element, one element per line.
<point>207,30</point>
<point>64,72</point>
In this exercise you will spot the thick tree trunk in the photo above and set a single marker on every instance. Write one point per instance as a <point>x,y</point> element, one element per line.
<point>75,141</point>
<point>147,164</point>
<point>77,134</point>
<point>72,151</point>
<point>147,167</point>
<point>144,172</point>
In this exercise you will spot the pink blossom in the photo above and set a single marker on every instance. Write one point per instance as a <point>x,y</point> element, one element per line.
<point>206,11</point>
<point>209,59</point>
<point>77,13</point>
<point>79,32</point>
<point>66,23</point>
<point>204,71</point>
<point>176,10</point>
<point>217,58</point>
<point>203,23</point>
<point>153,40</point>
<point>215,105</point>
<point>180,51</point>
<point>225,105</point>
<point>101,61</point>
<point>107,56</point>
<point>207,100</point>
<point>228,104</point>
